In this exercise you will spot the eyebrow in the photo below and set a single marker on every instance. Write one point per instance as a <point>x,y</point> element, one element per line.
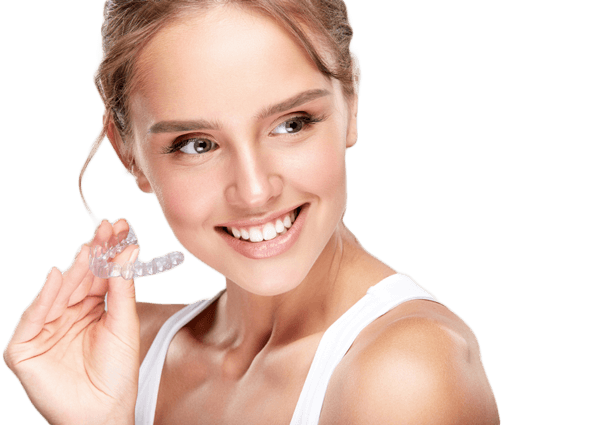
<point>178,126</point>
<point>174,126</point>
<point>293,102</point>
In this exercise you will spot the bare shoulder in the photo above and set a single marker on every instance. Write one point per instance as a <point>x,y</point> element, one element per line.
<point>419,363</point>
<point>151,319</point>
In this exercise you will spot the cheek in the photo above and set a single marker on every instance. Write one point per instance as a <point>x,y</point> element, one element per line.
<point>181,202</point>
<point>190,200</point>
<point>319,167</point>
<point>186,197</point>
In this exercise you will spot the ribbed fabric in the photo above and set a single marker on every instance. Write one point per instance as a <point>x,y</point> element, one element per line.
<point>338,338</point>
<point>335,342</point>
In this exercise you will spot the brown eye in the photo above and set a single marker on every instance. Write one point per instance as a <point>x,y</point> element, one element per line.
<point>294,125</point>
<point>195,146</point>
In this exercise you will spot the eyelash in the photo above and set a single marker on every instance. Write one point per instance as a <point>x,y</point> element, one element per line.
<point>308,120</point>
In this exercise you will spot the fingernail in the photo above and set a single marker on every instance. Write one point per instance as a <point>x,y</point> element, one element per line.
<point>133,256</point>
<point>121,236</point>
<point>128,269</point>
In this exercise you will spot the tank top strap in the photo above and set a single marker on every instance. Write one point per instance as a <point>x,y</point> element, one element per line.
<point>338,338</point>
<point>150,371</point>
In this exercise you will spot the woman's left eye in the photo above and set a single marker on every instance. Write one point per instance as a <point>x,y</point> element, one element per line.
<point>293,125</point>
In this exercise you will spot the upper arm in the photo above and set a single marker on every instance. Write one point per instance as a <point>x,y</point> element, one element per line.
<point>415,371</point>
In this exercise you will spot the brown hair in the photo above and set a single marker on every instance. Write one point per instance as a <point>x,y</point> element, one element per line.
<point>130,24</point>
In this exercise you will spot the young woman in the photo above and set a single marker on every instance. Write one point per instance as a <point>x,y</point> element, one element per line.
<point>237,115</point>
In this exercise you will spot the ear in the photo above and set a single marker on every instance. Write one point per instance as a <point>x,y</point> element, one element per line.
<point>352,122</point>
<point>125,156</point>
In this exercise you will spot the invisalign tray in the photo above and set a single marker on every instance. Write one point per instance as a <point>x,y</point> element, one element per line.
<point>101,267</point>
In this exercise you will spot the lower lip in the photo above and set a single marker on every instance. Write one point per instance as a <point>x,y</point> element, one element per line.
<point>271,248</point>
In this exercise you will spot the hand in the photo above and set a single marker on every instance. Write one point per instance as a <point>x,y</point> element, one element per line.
<point>79,363</point>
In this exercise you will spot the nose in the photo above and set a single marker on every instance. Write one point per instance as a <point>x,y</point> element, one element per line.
<point>254,183</point>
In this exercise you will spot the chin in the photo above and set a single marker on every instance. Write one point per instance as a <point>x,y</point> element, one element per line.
<point>270,281</point>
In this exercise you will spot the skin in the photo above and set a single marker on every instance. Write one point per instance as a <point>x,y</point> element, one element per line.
<point>245,358</point>
<point>78,362</point>
<point>253,172</point>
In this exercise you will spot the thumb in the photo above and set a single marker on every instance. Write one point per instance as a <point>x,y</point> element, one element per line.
<point>122,318</point>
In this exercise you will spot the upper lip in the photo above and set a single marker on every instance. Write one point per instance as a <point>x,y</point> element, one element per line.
<point>259,220</point>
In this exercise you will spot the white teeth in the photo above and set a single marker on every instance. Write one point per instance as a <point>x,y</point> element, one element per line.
<point>236,232</point>
<point>287,221</point>
<point>279,226</point>
<point>269,232</point>
<point>266,232</point>
<point>255,235</point>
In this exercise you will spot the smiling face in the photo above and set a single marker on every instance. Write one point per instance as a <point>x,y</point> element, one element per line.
<point>234,128</point>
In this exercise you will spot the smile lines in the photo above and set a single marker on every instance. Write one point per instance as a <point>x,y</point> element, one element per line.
<point>267,231</point>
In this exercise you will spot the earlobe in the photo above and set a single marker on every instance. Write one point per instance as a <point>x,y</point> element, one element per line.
<point>141,180</point>
<point>126,158</point>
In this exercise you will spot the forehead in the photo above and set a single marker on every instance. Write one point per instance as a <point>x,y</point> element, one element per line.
<point>225,61</point>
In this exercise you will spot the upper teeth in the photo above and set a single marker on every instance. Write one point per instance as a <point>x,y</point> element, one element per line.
<point>266,231</point>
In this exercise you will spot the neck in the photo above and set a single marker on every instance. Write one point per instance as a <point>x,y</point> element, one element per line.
<point>253,315</point>
<point>247,324</point>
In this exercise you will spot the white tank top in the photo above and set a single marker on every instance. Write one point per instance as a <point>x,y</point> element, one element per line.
<point>335,342</point>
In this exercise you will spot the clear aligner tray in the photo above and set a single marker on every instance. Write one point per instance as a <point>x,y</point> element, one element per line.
<point>100,256</point>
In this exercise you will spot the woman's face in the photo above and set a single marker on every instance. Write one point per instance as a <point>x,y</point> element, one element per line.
<point>235,127</point>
